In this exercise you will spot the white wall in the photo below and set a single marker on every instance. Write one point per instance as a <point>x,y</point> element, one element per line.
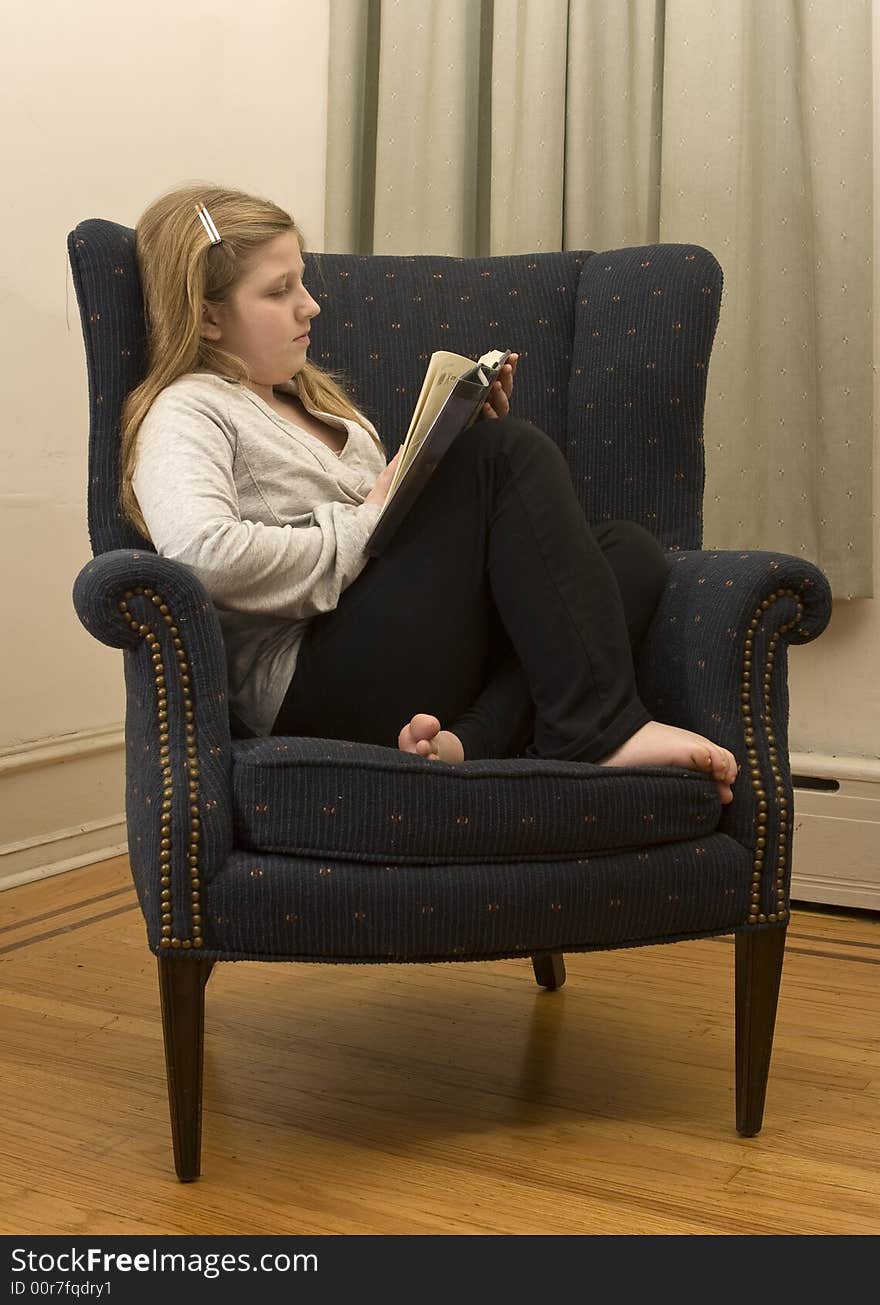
<point>104,106</point>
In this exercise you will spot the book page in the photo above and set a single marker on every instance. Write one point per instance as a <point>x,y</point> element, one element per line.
<point>444,370</point>
<point>451,397</point>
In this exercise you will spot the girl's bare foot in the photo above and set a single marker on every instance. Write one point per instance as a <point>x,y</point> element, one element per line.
<point>424,736</point>
<point>667,745</point>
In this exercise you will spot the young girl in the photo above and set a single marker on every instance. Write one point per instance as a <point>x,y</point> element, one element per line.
<point>496,623</point>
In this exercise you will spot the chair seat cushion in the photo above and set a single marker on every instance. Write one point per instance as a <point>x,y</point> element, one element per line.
<point>326,798</point>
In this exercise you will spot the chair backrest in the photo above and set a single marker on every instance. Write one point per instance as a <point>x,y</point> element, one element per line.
<point>614,357</point>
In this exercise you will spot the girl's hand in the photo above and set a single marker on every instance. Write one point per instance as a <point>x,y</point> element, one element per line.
<point>379,492</point>
<point>498,403</point>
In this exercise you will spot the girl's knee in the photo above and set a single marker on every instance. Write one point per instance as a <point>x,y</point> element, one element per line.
<point>512,432</point>
<point>636,551</point>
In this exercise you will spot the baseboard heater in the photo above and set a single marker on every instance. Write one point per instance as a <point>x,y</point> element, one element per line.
<point>816,782</point>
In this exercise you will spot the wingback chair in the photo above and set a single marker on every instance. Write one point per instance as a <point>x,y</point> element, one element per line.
<point>310,849</point>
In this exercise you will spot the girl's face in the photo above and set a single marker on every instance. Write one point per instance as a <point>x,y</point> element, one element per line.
<point>266,320</point>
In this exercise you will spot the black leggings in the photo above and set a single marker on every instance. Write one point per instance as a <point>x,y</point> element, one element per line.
<point>495,607</point>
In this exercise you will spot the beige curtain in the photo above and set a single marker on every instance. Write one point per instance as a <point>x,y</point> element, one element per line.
<point>513,126</point>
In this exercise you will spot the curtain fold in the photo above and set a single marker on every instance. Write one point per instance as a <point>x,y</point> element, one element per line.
<point>529,71</point>
<point>515,126</point>
<point>613,124</point>
<point>352,91</point>
<point>769,164</point>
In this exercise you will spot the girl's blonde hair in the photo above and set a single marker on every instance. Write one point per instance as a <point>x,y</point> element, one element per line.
<point>180,270</point>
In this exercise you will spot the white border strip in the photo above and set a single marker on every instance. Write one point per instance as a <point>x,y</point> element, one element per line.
<point>824,765</point>
<point>48,752</point>
<point>60,867</point>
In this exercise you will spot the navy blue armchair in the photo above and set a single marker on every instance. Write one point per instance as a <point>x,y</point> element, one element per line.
<point>306,849</point>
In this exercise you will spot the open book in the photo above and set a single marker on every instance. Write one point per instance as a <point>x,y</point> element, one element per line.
<point>452,393</point>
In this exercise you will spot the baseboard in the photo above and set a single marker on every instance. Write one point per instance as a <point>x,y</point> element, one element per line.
<point>14,872</point>
<point>63,803</point>
<point>836,853</point>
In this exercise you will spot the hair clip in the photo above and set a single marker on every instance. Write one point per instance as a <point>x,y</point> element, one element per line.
<point>208,223</point>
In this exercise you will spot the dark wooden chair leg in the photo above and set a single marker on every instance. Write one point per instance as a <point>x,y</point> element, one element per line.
<point>182,990</point>
<point>758,971</point>
<point>549,969</point>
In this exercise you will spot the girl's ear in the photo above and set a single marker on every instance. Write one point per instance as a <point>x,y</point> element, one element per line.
<point>209,327</point>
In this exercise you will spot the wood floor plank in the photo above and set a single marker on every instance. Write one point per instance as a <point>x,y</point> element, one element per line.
<point>431,1099</point>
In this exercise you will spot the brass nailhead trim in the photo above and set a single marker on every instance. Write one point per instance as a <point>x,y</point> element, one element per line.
<point>756,916</point>
<point>152,640</point>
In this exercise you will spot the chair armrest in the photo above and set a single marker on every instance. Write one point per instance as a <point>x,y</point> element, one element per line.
<point>714,660</point>
<point>177,738</point>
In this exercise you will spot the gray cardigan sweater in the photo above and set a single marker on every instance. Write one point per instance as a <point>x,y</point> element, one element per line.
<point>271,520</point>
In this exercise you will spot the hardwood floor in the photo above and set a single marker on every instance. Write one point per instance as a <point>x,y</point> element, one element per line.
<point>430,1099</point>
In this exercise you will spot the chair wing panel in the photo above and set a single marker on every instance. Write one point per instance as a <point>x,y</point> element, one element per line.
<point>645,322</point>
<point>108,291</point>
